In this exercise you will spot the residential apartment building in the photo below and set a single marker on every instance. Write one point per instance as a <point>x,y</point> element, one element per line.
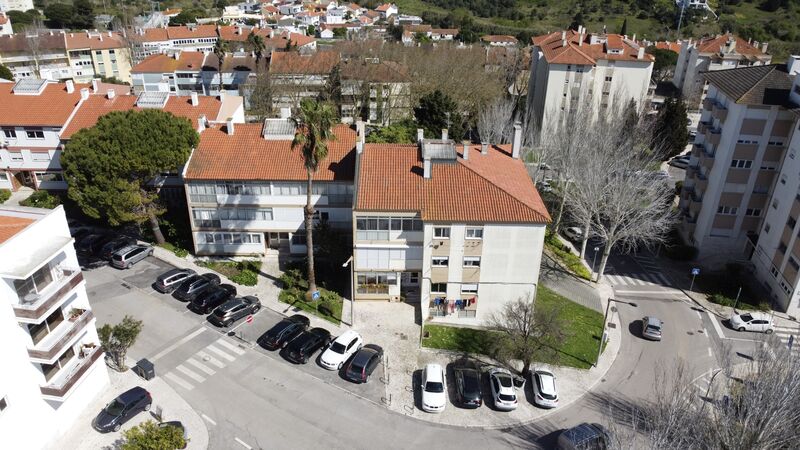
<point>375,91</point>
<point>571,67</point>
<point>721,52</point>
<point>297,76</point>
<point>459,227</point>
<point>246,188</point>
<point>95,54</point>
<point>16,5</point>
<point>53,365</point>
<point>5,25</point>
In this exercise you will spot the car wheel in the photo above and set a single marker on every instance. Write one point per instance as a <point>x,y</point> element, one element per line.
<point>740,329</point>
<point>116,427</point>
<point>305,360</point>
<point>150,253</point>
<point>227,323</point>
<point>127,266</point>
<point>769,331</point>
<point>147,407</point>
<point>366,380</point>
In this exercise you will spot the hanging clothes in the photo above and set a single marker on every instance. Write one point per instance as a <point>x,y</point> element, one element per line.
<point>459,304</point>
<point>452,306</point>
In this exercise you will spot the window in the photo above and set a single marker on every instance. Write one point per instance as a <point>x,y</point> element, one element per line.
<point>775,204</point>
<point>782,247</point>
<point>3,404</point>
<point>15,156</point>
<point>741,163</point>
<point>472,261</point>
<point>441,232</point>
<point>439,288</point>
<point>727,210</point>
<point>766,228</point>
<point>791,222</point>
<point>774,271</point>
<point>35,283</point>
<point>375,282</point>
<point>776,143</point>
<point>755,212</point>
<point>783,179</point>
<point>440,261</point>
<point>49,176</point>
<point>469,288</point>
<point>34,133</point>
<point>299,238</point>
<point>9,132</point>
<point>793,262</point>
<point>608,78</point>
<point>40,156</point>
<point>474,233</point>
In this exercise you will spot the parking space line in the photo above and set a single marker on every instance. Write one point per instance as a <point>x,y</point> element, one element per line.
<point>208,419</point>
<point>190,373</point>
<point>230,347</point>
<point>221,353</point>
<point>710,354</point>
<point>242,443</point>
<point>716,325</point>
<point>208,358</point>
<point>201,366</point>
<point>177,344</point>
<point>179,381</point>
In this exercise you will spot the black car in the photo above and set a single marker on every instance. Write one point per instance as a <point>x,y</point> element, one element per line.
<point>364,363</point>
<point>301,348</point>
<point>89,243</point>
<point>172,279</point>
<point>122,409</point>
<point>468,386</point>
<point>283,332</point>
<point>232,310</point>
<point>206,301</point>
<point>195,285</point>
<point>586,436</point>
<point>109,247</point>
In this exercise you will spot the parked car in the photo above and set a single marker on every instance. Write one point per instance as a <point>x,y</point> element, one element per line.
<point>651,328</point>
<point>232,310</point>
<point>364,363</point>
<point>752,321</point>
<point>586,436</point>
<point>194,286</point>
<point>90,243</point>
<point>545,393</point>
<point>122,409</point>
<point>109,247</point>
<point>434,389</point>
<point>208,300</point>
<point>468,385</point>
<point>573,233</point>
<point>503,392</point>
<point>303,347</point>
<point>176,424</point>
<point>125,257</point>
<point>283,332</point>
<point>680,162</point>
<point>341,349</point>
<point>172,279</point>
<point>544,186</point>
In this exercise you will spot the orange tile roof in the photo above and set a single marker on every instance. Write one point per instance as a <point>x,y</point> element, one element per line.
<point>95,40</point>
<point>3,19</point>
<point>246,155</point>
<point>486,188</point>
<point>171,11</point>
<point>715,45</point>
<point>384,7</point>
<point>667,45</point>
<point>198,31</point>
<point>52,107</point>
<point>296,63</point>
<point>162,63</point>
<point>99,105</point>
<point>587,53</point>
<point>9,226</point>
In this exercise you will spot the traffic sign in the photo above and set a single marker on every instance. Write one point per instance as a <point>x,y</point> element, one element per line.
<point>315,295</point>
<point>696,271</point>
<point>249,319</point>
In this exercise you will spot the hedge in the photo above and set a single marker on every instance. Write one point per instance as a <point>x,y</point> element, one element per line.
<point>5,194</point>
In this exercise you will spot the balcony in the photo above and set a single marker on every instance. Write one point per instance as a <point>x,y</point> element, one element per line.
<point>48,349</point>
<point>714,135</point>
<point>719,112</point>
<point>68,377</point>
<point>34,306</point>
<point>708,103</point>
<point>702,127</point>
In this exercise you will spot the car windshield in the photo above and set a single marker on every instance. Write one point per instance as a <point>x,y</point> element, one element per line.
<point>434,386</point>
<point>746,317</point>
<point>471,383</point>
<point>507,398</point>
<point>338,347</point>
<point>115,408</point>
<point>654,328</point>
<point>504,380</point>
<point>117,257</point>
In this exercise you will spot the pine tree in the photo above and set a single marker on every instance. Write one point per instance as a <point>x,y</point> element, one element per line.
<point>624,30</point>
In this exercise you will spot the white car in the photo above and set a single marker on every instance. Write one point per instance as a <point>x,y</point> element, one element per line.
<point>434,389</point>
<point>340,350</point>
<point>503,392</point>
<point>752,321</point>
<point>573,233</point>
<point>545,393</point>
<point>681,162</point>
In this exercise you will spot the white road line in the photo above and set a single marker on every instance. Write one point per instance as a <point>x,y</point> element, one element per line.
<point>230,347</point>
<point>792,330</point>
<point>179,381</point>
<point>652,293</point>
<point>201,366</point>
<point>242,443</point>
<point>221,353</point>
<point>710,353</point>
<point>716,325</point>
<point>705,332</point>
<point>614,279</point>
<point>178,344</point>
<point>208,419</point>
<point>699,316</point>
<point>205,357</point>
<point>190,373</point>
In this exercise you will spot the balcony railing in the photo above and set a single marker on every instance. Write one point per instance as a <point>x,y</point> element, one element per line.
<point>459,313</point>
<point>59,390</point>
<point>35,305</point>
<point>55,344</point>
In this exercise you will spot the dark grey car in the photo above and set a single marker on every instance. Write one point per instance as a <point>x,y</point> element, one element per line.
<point>122,409</point>
<point>586,436</point>
<point>195,285</point>
<point>468,386</point>
<point>211,298</point>
<point>233,310</point>
<point>364,363</point>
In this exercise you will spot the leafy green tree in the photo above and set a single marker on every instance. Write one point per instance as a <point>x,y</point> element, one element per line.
<point>624,30</point>
<point>311,30</point>
<point>221,48</point>
<point>20,18</point>
<point>59,15</point>
<point>83,17</point>
<point>340,33</point>
<point>664,64</point>
<point>670,130</point>
<point>437,111</point>
<point>117,339</point>
<point>109,166</point>
<point>403,132</point>
<point>5,73</point>
<point>150,436</point>
<point>314,130</point>
<point>577,20</point>
<point>186,16</point>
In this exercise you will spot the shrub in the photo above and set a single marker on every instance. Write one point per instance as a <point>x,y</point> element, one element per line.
<point>293,279</point>
<point>569,259</point>
<point>678,187</point>
<point>246,277</point>
<point>5,194</point>
<point>179,252</point>
<point>41,199</point>
<point>720,299</point>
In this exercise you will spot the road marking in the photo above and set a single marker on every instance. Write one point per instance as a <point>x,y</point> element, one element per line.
<point>242,443</point>
<point>201,366</point>
<point>208,358</point>
<point>705,331</point>
<point>191,374</point>
<point>208,419</point>
<point>716,325</point>
<point>699,316</point>
<point>221,353</point>
<point>710,353</point>
<point>179,381</point>
<point>791,330</point>
<point>178,344</point>
<point>231,347</point>
<point>660,292</point>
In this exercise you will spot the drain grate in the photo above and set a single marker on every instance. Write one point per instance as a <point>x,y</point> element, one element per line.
<point>126,285</point>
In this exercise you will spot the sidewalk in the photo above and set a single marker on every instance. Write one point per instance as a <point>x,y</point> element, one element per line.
<point>165,399</point>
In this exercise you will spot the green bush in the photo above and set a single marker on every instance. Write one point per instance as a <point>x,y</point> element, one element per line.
<point>293,279</point>
<point>5,194</point>
<point>246,277</point>
<point>720,299</point>
<point>41,199</point>
<point>678,187</point>
<point>179,252</point>
<point>570,260</point>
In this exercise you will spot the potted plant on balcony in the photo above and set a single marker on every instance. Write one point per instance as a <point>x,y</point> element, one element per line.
<point>74,313</point>
<point>87,349</point>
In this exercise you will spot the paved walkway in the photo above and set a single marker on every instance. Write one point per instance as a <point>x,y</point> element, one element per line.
<point>19,195</point>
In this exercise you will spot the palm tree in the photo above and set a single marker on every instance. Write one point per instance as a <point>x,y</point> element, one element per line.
<point>221,48</point>
<point>256,42</point>
<point>313,132</point>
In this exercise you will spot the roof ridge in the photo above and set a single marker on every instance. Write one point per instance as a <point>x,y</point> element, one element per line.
<point>575,47</point>
<point>772,69</point>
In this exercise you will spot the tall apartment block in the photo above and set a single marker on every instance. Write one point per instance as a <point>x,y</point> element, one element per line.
<point>52,362</point>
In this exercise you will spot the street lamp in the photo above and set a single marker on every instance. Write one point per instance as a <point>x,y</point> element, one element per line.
<point>605,317</point>
<point>349,262</point>
<point>594,261</point>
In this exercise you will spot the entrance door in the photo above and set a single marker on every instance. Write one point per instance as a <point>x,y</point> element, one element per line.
<point>409,286</point>
<point>278,240</point>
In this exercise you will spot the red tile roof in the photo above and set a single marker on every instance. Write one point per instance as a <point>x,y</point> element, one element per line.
<point>246,155</point>
<point>486,188</point>
<point>95,40</point>
<point>52,107</point>
<point>9,226</point>
<point>162,63</point>
<point>99,105</point>
<point>296,63</point>
<point>667,45</point>
<point>555,52</point>
<point>715,45</point>
<point>384,7</point>
<point>3,19</point>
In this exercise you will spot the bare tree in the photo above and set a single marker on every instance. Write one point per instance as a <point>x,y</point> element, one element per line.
<point>495,121</point>
<point>35,39</point>
<point>258,93</point>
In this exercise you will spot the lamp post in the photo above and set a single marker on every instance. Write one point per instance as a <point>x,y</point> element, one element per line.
<point>349,262</point>
<point>605,317</point>
<point>594,261</point>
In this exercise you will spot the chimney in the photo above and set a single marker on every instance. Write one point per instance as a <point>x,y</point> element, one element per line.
<point>420,134</point>
<point>361,130</point>
<point>444,134</point>
<point>580,40</point>
<point>110,34</point>
<point>484,148</point>
<point>465,152</point>
<point>222,97</point>
<point>111,94</point>
<point>634,37</point>
<point>177,54</point>
<point>84,93</point>
<point>426,168</point>
<point>70,86</point>
<point>230,126</point>
<point>564,43</point>
<point>359,147</point>
<point>95,85</point>
<point>286,112</point>
<point>563,34</point>
<point>640,55</point>
<point>516,146</point>
<point>764,47</point>
<point>201,123</point>
<point>195,100</point>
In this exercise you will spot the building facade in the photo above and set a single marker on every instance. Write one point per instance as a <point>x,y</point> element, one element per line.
<point>16,5</point>
<point>374,91</point>
<point>53,365</point>
<point>296,76</point>
<point>94,54</point>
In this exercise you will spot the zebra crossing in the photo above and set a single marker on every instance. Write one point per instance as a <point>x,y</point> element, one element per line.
<point>638,279</point>
<point>204,363</point>
<point>784,334</point>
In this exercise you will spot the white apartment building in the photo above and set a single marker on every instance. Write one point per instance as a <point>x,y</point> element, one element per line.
<point>5,25</point>
<point>572,67</point>
<point>377,92</point>
<point>458,227</point>
<point>52,361</point>
<point>721,52</point>
<point>297,76</point>
<point>16,5</point>
<point>246,188</point>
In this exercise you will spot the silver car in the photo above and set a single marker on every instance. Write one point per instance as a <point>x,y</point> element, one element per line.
<point>651,328</point>
<point>130,255</point>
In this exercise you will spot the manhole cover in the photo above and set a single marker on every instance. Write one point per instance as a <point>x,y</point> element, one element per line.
<point>403,337</point>
<point>690,333</point>
<point>700,331</point>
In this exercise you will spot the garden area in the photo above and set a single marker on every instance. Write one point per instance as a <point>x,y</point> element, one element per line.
<point>564,255</point>
<point>240,272</point>
<point>578,349</point>
<point>295,287</point>
<point>722,288</point>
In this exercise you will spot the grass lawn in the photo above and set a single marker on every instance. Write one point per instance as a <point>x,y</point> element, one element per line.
<point>565,256</point>
<point>578,350</point>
